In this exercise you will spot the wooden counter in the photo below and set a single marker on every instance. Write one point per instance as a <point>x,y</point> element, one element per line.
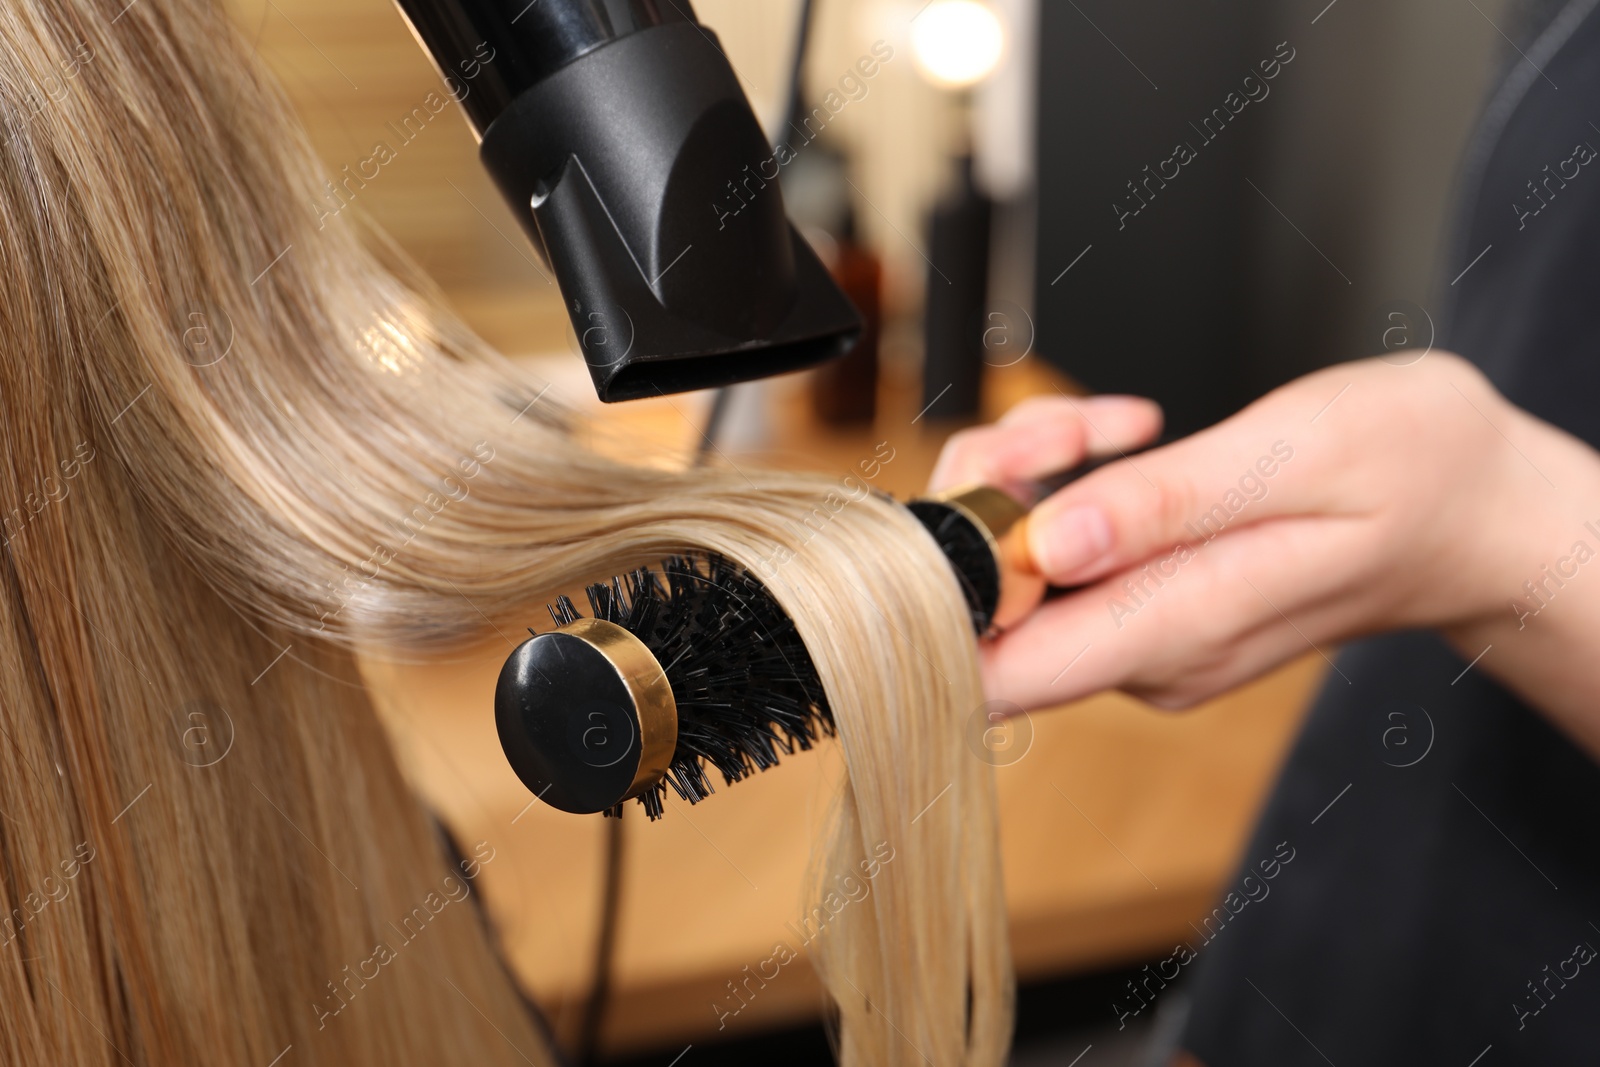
<point>1118,827</point>
<point>1159,803</point>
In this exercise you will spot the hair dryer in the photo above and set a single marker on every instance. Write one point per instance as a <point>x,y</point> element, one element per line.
<point>619,135</point>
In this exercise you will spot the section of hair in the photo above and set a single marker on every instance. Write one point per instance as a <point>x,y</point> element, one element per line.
<point>198,528</point>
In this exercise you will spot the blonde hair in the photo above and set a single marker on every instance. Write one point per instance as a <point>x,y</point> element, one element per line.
<point>207,530</point>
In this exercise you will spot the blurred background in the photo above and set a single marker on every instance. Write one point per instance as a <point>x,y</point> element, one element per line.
<point>1193,201</point>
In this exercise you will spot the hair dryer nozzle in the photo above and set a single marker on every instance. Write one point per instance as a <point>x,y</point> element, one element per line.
<point>622,140</point>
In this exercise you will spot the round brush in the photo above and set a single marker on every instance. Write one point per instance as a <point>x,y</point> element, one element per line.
<point>980,530</point>
<point>692,665</point>
<point>697,664</point>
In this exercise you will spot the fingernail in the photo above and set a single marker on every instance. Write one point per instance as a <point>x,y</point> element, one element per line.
<point>1069,541</point>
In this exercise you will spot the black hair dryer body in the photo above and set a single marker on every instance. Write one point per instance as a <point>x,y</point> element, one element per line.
<point>619,135</point>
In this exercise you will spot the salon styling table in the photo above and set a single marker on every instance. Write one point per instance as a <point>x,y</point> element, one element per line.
<point>1120,824</point>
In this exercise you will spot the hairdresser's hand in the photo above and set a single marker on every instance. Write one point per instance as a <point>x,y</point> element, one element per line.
<point>1046,435</point>
<point>1365,497</point>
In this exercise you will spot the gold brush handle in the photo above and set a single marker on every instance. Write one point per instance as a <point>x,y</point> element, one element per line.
<point>1002,520</point>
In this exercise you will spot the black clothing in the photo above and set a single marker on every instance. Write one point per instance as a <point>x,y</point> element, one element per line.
<point>1443,903</point>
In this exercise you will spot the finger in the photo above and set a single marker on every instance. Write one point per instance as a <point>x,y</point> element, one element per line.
<point>1162,685</point>
<point>1186,627</point>
<point>1115,422</point>
<point>997,455</point>
<point>1189,492</point>
<point>1251,657</point>
<point>1090,643</point>
<point>1043,436</point>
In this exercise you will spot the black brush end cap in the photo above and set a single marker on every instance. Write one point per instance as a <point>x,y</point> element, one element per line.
<point>585,716</point>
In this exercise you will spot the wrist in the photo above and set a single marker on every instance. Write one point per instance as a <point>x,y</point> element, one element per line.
<point>1539,639</point>
<point>1537,539</point>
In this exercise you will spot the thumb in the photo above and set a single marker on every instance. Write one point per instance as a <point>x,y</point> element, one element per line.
<point>1187,492</point>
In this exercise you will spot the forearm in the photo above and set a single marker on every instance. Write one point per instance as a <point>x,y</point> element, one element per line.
<point>1554,668</point>
<point>1539,631</point>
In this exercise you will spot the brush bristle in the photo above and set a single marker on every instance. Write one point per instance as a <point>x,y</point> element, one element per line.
<point>970,556</point>
<point>745,686</point>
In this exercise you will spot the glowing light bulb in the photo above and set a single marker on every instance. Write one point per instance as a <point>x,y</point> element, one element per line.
<point>957,43</point>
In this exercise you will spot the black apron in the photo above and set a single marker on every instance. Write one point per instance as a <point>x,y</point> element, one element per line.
<point>1442,905</point>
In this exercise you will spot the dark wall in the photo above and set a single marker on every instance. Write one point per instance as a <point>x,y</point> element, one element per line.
<point>1291,236</point>
<point>1156,305</point>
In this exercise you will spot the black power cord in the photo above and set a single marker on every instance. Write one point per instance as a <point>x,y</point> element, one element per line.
<point>797,69</point>
<point>605,952</point>
<point>718,414</point>
<point>791,114</point>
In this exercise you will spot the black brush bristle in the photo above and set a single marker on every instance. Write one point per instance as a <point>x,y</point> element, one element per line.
<point>746,689</point>
<point>563,611</point>
<point>970,556</point>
